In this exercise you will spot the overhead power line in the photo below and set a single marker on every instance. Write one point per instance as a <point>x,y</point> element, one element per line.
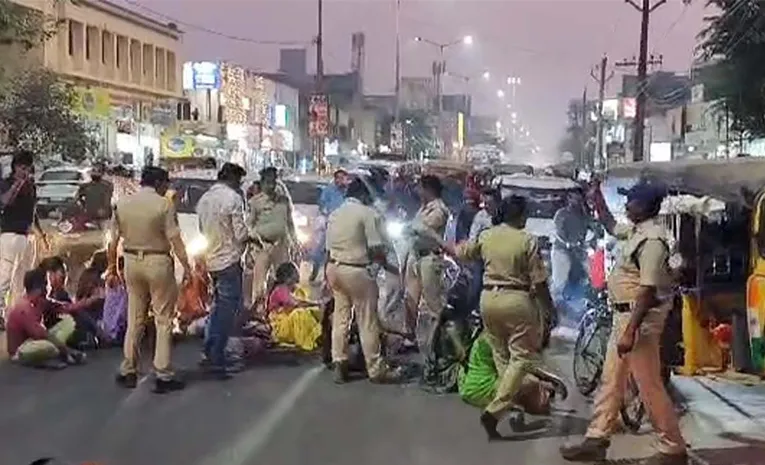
<point>214,32</point>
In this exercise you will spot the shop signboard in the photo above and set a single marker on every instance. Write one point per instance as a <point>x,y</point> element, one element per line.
<point>92,102</point>
<point>162,114</point>
<point>319,110</point>
<point>176,146</point>
<point>201,75</point>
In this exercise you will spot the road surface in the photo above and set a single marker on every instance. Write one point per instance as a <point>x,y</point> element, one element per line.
<point>285,411</point>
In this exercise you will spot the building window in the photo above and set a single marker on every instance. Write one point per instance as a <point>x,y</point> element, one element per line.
<point>71,39</point>
<point>87,43</point>
<point>104,45</point>
<point>118,61</point>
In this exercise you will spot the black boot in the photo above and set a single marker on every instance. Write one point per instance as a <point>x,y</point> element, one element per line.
<point>340,372</point>
<point>590,450</point>
<point>162,386</point>
<point>129,381</point>
<point>489,423</point>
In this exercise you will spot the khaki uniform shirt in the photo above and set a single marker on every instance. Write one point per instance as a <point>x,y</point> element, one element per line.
<point>352,230</point>
<point>146,221</point>
<point>430,220</point>
<point>510,256</point>
<point>646,244</point>
<point>269,218</point>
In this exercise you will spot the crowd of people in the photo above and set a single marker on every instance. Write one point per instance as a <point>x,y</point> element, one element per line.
<point>46,327</point>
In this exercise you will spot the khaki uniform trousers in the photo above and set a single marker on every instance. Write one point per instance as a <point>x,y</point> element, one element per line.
<point>644,363</point>
<point>150,282</point>
<point>424,282</point>
<point>511,321</point>
<point>355,291</point>
<point>265,259</point>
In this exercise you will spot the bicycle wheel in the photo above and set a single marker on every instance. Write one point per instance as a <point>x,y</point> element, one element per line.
<point>632,410</point>
<point>589,354</point>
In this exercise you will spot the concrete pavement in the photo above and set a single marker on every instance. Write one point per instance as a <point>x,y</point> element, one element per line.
<point>286,411</point>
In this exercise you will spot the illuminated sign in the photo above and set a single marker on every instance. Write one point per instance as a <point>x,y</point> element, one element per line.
<point>202,75</point>
<point>280,116</point>
<point>629,108</point>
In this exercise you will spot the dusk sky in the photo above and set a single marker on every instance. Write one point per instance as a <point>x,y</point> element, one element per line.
<point>550,44</point>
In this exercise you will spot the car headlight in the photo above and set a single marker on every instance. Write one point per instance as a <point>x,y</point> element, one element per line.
<point>196,246</point>
<point>395,229</point>
<point>300,220</point>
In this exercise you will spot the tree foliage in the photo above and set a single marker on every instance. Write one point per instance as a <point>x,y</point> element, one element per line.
<point>734,40</point>
<point>37,114</point>
<point>24,27</point>
<point>36,109</point>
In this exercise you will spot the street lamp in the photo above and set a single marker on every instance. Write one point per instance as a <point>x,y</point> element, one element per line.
<point>439,69</point>
<point>501,93</point>
<point>486,75</point>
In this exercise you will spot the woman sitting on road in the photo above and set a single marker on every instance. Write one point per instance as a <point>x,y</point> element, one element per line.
<point>293,319</point>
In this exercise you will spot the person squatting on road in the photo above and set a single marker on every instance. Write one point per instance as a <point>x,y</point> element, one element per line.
<point>424,274</point>
<point>514,269</point>
<point>640,291</point>
<point>221,221</point>
<point>148,226</point>
<point>270,227</point>
<point>354,243</point>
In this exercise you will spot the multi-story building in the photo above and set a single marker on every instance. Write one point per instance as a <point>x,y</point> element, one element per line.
<point>126,70</point>
<point>236,114</point>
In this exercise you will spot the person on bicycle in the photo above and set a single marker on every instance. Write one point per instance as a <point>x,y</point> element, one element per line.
<point>514,269</point>
<point>569,249</point>
<point>640,291</point>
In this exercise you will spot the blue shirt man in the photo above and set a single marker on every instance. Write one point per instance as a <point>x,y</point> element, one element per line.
<point>330,200</point>
<point>334,194</point>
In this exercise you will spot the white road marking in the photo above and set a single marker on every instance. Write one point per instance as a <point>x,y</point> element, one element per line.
<point>252,440</point>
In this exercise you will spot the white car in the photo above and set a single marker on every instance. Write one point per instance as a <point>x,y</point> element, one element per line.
<point>57,187</point>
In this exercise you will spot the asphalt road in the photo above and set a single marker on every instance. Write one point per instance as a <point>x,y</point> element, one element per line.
<point>284,411</point>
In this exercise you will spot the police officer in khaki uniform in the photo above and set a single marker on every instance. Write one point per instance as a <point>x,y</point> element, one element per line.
<point>270,225</point>
<point>148,226</point>
<point>513,269</point>
<point>355,242</point>
<point>424,279</point>
<point>640,288</point>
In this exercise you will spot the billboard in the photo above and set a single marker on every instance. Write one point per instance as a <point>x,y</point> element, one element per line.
<point>319,111</point>
<point>201,75</point>
<point>417,93</point>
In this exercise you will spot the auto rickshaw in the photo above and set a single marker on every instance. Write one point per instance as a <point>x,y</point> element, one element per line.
<point>710,217</point>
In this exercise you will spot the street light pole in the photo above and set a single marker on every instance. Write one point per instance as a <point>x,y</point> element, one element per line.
<point>318,140</point>
<point>397,115</point>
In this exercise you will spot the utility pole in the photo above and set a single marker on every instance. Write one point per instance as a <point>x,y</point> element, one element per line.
<point>600,158</point>
<point>583,154</point>
<point>640,99</point>
<point>397,113</point>
<point>318,139</point>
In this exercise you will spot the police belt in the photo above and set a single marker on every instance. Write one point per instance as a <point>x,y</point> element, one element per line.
<point>622,307</point>
<point>142,253</point>
<point>505,287</point>
<point>355,265</point>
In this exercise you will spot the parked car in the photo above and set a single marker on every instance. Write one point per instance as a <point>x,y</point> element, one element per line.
<point>57,188</point>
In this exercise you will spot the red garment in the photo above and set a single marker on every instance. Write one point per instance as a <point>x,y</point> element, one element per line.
<point>598,269</point>
<point>281,299</point>
<point>24,322</point>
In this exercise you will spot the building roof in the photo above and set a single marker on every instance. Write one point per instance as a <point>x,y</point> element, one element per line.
<point>167,28</point>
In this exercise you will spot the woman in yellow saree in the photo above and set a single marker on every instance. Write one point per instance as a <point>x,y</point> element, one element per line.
<point>294,320</point>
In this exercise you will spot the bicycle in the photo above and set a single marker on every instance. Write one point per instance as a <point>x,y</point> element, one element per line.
<point>590,350</point>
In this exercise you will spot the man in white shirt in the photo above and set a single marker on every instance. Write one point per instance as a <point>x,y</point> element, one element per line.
<point>221,220</point>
